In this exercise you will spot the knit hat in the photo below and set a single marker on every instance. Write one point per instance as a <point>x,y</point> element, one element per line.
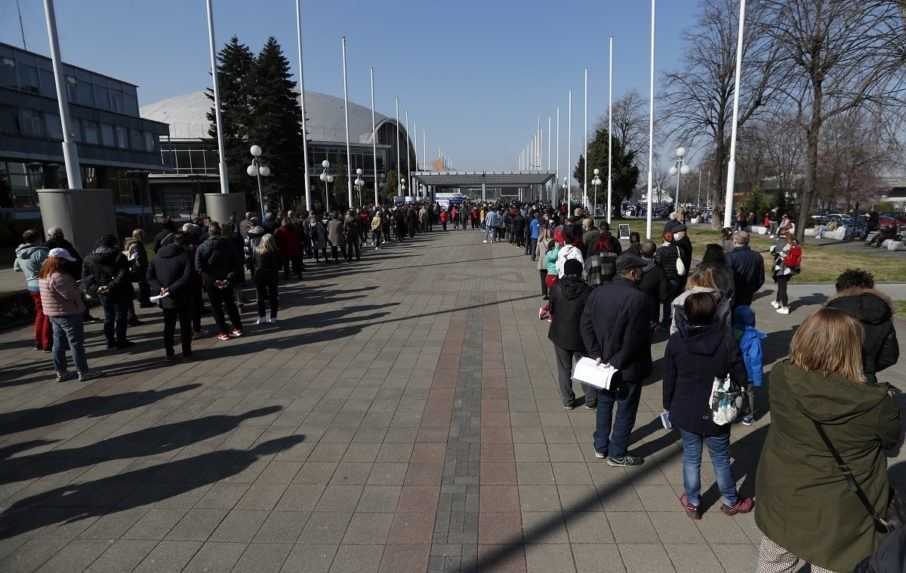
<point>572,268</point>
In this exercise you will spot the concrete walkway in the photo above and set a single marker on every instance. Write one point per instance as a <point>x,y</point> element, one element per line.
<point>402,417</point>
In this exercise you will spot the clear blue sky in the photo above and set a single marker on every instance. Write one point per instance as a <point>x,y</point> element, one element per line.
<point>476,74</point>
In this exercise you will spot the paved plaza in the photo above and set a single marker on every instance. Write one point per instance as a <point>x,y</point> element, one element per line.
<point>402,417</point>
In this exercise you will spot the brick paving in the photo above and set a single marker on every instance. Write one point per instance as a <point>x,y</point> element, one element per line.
<point>403,417</point>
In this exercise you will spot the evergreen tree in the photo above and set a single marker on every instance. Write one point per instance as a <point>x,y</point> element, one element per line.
<point>276,121</point>
<point>235,67</point>
<point>625,171</point>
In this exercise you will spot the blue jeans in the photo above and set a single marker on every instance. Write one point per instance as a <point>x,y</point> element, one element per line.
<point>68,332</point>
<point>615,443</point>
<point>116,313</point>
<point>719,448</point>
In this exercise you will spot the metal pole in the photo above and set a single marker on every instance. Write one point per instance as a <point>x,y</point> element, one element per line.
<point>373,137</point>
<point>260,194</point>
<point>698,201</point>
<point>731,165</point>
<point>425,151</point>
<point>610,133</point>
<point>70,151</point>
<point>399,191</point>
<point>346,117</point>
<point>408,160</point>
<point>222,166</point>
<point>679,173</point>
<point>585,162</point>
<point>554,187</point>
<point>569,157</point>
<point>302,105</point>
<point>549,144</point>
<point>650,130</point>
<point>21,26</point>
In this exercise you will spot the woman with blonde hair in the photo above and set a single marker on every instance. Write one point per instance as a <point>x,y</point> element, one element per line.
<point>267,267</point>
<point>822,411</point>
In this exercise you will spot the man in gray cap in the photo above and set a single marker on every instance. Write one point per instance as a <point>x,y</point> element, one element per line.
<point>615,331</point>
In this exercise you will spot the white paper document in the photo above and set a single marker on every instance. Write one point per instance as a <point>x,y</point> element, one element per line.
<point>588,371</point>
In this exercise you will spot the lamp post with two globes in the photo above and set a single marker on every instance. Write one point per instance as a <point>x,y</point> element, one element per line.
<point>359,184</point>
<point>596,181</point>
<point>679,169</point>
<point>258,171</point>
<point>327,179</point>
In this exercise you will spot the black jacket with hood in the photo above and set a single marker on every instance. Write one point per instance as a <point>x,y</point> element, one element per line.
<point>874,310</point>
<point>691,363</point>
<point>655,285</point>
<point>567,301</point>
<point>106,268</point>
<point>172,269</point>
<point>216,259</point>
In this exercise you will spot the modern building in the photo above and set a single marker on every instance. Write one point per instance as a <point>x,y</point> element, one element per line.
<point>117,148</point>
<point>190,161</point>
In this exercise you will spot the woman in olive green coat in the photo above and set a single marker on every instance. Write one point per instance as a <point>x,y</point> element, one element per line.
<point>805,509</point>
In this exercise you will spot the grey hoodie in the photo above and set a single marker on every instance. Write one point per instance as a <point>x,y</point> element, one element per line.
<point>29,259</point>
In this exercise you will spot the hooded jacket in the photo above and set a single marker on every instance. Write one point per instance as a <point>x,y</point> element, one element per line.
<point>172,269</point>
<point>216,259</point>
<point>29,259</point>
<point>874,310</point>
<point>107,267</point>
<point>804,502</point>
<point>750,346</point>
<point>679,311</point>
<point>567,301</point>
<point>693,359</point>
<point>654,284</point>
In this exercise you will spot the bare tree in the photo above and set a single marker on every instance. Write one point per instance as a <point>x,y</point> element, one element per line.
<point>835,56</point>
<point>698,100</point>
<point>630,124</point>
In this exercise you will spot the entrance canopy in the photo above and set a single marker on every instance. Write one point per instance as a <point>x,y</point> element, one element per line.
<point>475,179</point>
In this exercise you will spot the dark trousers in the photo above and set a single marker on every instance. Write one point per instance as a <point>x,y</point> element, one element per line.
<point>782,282</point>
<point>614,442</point>
<point>144,294</point>
<point>219,298</point>
<point>183,316</point>
<point>352,249</point>
<point>116,313</point>
<point>530,247</point>
<point>565,378</point>
<point>322,252</point>
<point>296,263</point>
<point>543,273</point>
<point>267,293</point>
<point>335,251</point>
<point>196,303</point>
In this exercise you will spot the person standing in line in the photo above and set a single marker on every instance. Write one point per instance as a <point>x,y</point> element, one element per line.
<point>267,265</point>
<point>57,240</point>
<point>30,256</point>
<point>694,358</point>
<point>653,283</point>
<point>615,331</point>
<point>567,301</point>
<point>351,232</point>
<point>747,267</point>
<point>288,242</point>
<point>214,259</point>
<point>137,257</point>
<point>669,258</point>
<point>535,227</point>
<point>857,297</point>
<point>170,275</point>
<point>750,347</point>
<point>715,259</point>
<point>443,219</point>
<point>335,236</point>
<point>635,244</point>
<point>491,222</point>
<point>318,238</point>
<point>808,510</point>
<point>106,276</point>
<point>541,256</point>
<point>376,229</point>
<point>569,250</point>
<point>61,300</point>
<point>787,262</point>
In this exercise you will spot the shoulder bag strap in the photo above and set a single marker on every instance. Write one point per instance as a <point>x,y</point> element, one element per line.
<point>881,524</point>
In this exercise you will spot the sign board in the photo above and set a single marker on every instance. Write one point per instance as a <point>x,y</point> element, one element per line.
<point>624,231</point>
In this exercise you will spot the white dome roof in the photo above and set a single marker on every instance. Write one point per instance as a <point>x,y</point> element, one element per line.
<point>187,117</point>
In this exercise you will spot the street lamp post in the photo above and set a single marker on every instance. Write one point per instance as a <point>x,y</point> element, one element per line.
<point>359,184</point>
<point>402,186</point>
<point>327,179</point>
<point>679,169</point>
<point>565,188</point>
<point>596,181</point>
<point>258,171</point>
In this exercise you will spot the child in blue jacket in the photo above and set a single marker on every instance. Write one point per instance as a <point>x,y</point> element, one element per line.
<point>749,340</point>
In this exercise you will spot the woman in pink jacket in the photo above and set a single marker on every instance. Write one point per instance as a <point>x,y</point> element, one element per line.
<point>62,303</point>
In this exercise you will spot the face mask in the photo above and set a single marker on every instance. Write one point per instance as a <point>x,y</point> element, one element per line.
<point>678,236</point>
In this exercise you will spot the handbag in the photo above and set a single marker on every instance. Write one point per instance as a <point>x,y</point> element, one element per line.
<point>680,265</point>
<point>725,401</point>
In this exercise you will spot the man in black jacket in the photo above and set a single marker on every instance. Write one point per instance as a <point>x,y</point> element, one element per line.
<point>856,297</point>
<point>567,301</point>
<point>170,276</point>
<point>216,260</point>
<point>748,270</point>
<point>671,258</point>
<point>105,275</point>
<point>653,283</point>
<point>615,330</point>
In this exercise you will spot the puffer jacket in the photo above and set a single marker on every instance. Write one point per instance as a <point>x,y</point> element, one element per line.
<point>29,259</point>
<point>106,269</point>
<point>60,295</point>
<point>874,310</point>
<point>567,301</point>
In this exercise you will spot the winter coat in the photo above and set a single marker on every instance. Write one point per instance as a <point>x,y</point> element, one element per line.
<point>319,235</point>
<point>267,266</point>
<point>215,259</point>
<point>172,269</point>
<point>106,268</point>
<point>692,360</point>
<point>749,339</point>
<point>590,240</point>
<point>287,241</point>
<point>351,226</point>
<point>666,256</point>
<point>874,310</point>
<point>335,232</point>
<point>655,286</point>
<point>678,322</point>
<point>615,328</point>
<point>567,301</point>
<point>748,273</point>
<point>566,253</point>
<point>804,502</point>
<point>29,259</point>
<point>250,243</point>
<point>137,256</point>
<point>550,260</point>
<point>60,295</point>
<point>541,254</point>
<point>685,247</point>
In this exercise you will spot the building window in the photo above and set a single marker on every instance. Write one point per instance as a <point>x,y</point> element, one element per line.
<point>72,89</point>
<point>30,123</point>
<point>76,127</point>
<point>116,101</point>
<point>28,79</point>
<point>131,104</point>
<point>85,94</point>
<point>53,126</point>
<point>122,137</point>
<point>102,97</point>
<point>135,139</point>
<point>108,138</point>
<point>149,142</point>
<point>8,72</point>
<point>9,125</point>
<point>48,86</point>
<point>92,135</point>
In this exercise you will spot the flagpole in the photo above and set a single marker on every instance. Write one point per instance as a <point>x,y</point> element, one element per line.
<point>302,105</point>
<point>610,133</point>
<point>373,138</point>
<point>650,129</point>
<point>346,117</point>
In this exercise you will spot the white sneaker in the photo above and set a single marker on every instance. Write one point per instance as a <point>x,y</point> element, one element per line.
<point>485,242</point>
<point>259,322</point>
<point>775,304</point>
<point>783,310</point>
